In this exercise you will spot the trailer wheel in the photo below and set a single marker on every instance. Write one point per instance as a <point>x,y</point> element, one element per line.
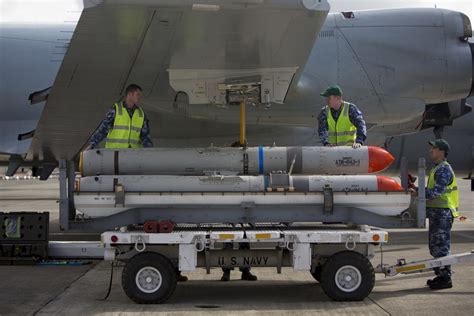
<point>347,276</point>
<point>317,273</point>
<point>149,278</point>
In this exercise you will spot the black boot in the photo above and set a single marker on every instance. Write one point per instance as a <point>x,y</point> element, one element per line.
<point>225,275</point>
<point>181,278</point>
<point>432,281</point>
<point>441,283</point>
<point>246,275</point>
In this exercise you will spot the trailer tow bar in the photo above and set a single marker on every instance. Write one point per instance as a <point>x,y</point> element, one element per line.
<point>423,265</point>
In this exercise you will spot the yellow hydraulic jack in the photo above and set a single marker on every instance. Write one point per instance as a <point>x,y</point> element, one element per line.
<point>242,92</point>
<point>243,139</point>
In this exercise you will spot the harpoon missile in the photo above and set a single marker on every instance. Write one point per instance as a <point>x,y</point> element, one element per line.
<point>235,161</point>
<point>217,207</point>
<point>271,183</point>
<point>277,197</point>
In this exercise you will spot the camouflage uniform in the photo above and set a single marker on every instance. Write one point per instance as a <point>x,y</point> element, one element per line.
<point>441,220</point>
<point>355,116</point>
<point>108,123</point>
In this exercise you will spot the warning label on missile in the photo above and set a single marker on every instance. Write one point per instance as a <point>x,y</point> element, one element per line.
<point>348,162</point>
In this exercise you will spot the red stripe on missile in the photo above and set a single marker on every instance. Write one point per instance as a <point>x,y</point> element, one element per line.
<point>386,184</point>
<point>379,159</point>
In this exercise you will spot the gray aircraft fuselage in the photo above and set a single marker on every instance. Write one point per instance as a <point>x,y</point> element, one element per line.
<point>398,66</point>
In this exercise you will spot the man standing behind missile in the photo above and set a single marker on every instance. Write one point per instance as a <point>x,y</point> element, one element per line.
<point>125,125</point>
<point>340,123</point>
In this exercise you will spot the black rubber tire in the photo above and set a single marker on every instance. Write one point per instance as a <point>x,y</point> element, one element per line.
<point>356,261</point>
<point>317,273</point>
<point>160,263</point>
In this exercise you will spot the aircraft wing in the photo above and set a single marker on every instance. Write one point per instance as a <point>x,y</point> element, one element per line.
<point>171,45</point>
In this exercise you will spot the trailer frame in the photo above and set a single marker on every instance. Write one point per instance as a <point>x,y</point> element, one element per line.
<point>150,257</point>
<point>413,217</point>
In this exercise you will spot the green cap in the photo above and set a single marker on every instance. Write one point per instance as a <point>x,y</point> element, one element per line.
<point>332,90</point>
<point>440,144</point>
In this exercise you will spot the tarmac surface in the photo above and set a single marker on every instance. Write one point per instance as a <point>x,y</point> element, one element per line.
<point>73,290</point>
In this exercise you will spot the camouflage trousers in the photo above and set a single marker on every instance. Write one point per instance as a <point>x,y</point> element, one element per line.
<point>242,245</point>
<point>441,221</point>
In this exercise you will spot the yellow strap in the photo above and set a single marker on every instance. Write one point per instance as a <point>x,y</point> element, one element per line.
<point>122,141</point>
<point>350,133</point>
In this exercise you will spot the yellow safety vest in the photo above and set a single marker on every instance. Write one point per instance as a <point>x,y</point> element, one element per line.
<point>342,132</point>
<point>450,197</point>
<point>126,130</point>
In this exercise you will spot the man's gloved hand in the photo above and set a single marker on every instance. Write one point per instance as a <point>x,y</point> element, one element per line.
<point>411,185</point>
<point>89,147</point>
<point>356,145</point>
<point>411,182</point>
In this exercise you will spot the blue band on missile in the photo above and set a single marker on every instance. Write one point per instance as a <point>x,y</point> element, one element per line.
<point>260,160</point>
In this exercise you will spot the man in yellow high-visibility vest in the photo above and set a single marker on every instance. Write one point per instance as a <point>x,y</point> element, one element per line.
<point>442,203</point>
<point>340,123</point>
<point>125,124</point>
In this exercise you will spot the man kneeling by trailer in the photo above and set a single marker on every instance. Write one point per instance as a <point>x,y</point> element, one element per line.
<point>246,274</point>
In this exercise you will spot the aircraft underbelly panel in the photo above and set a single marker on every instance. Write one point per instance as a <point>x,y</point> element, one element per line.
<point>121,42</point>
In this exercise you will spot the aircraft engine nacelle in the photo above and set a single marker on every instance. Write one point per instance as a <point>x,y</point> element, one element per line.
<point>443,114</point>
<point>392,63</point>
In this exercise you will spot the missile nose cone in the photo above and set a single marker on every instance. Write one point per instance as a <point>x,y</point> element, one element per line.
<point>379,159</point>
<point>386,184</point>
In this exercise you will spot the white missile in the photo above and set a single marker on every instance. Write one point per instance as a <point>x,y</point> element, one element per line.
<point>207,207</point>
<point>299,183</point>
<point>233,161</point>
